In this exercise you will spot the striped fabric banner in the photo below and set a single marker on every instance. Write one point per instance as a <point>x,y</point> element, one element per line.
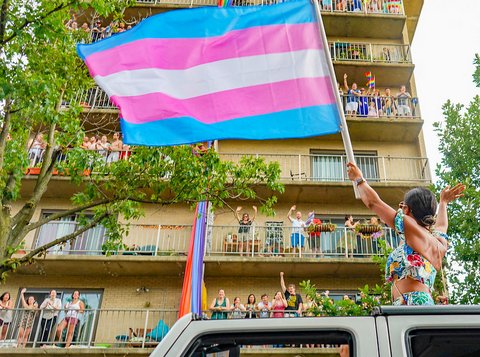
<point>249,72</point>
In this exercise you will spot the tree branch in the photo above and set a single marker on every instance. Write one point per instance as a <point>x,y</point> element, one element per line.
<point>4,131</point>
<point>15,33</point>
<point>54,217</point>
<point>3,19</point>
<point>28,257</point>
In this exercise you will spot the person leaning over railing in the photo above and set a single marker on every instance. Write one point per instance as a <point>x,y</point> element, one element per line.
<point>413,265</point>
<point>27,317</point>
<point>250,307</point>
<point>264,307</point>
<point>279,303</point>
<point>237,309</point>
<point>220,306</point>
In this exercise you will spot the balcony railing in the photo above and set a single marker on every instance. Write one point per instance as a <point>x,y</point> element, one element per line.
<point>332,168</point>
<point>370,52</point>
<point>381,106</point>
<point>98,328</point>
<point>255,241</point>
<point>385,7</point>
<point>93,98</point>
<point>313,167</point>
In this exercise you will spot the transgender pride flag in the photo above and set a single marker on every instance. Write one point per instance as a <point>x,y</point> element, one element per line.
<point>248,72</point>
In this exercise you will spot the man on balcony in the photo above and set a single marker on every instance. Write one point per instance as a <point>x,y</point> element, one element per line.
<point>297,239</point>
<point>403,100</point>
<point>352,94</point>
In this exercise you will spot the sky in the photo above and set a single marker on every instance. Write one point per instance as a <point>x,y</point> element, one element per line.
<point>443,48</point>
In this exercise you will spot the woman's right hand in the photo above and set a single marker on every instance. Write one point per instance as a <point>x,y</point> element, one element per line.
<point>24,290</point>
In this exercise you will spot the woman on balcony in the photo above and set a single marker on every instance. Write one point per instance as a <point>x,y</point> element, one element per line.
<point>220,306</point>
<point>413,265</point>
<point>244,230</point>
<point>26,321</point>
<point>73,310</point>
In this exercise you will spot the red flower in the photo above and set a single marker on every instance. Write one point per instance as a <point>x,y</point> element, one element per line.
<point>415,260</point>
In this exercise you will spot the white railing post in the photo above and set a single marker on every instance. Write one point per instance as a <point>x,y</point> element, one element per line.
<point>157,243</point>
<point>253,240</point>
<point>384,169</point>
<point>346,241</point>
<point>145,329</point>
<point>371,51</point>
<point>299,167</point>
<point>90,335</point>
<point>39,327</point>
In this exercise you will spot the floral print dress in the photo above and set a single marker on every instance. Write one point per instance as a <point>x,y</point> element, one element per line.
<point>404,262</point>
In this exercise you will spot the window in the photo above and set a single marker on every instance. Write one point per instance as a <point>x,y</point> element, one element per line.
<point>234,344</point>
<point>443,342</point>
<point>331,166</point>
<point>88,243</point>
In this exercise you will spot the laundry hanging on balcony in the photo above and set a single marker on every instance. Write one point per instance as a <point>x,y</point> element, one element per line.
<point>249,72</point>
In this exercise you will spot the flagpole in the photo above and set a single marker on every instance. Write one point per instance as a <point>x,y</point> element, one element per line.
<point>343,122</point>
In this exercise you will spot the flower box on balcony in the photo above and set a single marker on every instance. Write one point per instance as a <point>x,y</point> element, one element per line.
<point>324,227</point>
<point>368,229</point>
<point>33,170</point>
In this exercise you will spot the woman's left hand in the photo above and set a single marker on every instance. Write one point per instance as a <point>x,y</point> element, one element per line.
<point>449,194</point>
<point>353,171</point>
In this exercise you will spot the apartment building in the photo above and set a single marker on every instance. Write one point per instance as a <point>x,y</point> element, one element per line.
<point>131,290</point>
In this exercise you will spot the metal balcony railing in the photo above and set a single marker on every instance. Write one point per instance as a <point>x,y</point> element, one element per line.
<point>313,167</point>
<point>383,7</point>
<point>381,106</point>
<point>332,168</point>
<point>92,328</point>
<point>370,52</point>
<point>255,241</point>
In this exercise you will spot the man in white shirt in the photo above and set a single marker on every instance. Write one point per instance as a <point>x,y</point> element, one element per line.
<point>51,307</point>
<point>297,239</point>
<point>264,307</point>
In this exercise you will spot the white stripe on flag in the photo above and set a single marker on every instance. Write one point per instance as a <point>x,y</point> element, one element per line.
<point>217,76</point>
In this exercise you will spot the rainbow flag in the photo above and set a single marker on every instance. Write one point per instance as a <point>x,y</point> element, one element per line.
<point>246,72</point>
<point>371,82</point>
<point>224,3</point>
<point>194,293</point>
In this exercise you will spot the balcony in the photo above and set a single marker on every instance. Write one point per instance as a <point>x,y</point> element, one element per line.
<point>380,118</point>
<point>97,105</point>
<point>356,58</point>
<point>269,246</point>
<point>99,332</point>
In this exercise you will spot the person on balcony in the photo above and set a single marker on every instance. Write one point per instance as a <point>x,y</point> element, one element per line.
<point>103,147</point>
<point>389,107</point>
<point>363,103</point>
<point>403,102</point>
<point>413,265</point>
<point>264,307</point>
<point>251,307</point>
<point>314,239</point>
<point>237,309</point>
<point>6,314</point>
<point>294,301</point>
<point>36,149</point>
<point>297,239</point>
<point>27,318</point>
<point>51,307</point>
<point>220,306</point>
<point>115,148</point>
<point>85,143</point>
<point>278,305</point>
<point>377,101</point>
<point>352,96</point>
<point>245,223</point>
<point>74,309</point>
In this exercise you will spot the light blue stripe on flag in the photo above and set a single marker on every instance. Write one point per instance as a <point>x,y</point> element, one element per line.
<point>309,121</point>
<point>205,22</point>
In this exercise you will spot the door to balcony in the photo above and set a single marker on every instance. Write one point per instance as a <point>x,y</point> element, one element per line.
<point>332,168</point>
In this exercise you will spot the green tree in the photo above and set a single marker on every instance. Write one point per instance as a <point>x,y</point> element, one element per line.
<point>460,149</point>
<point>40,71</point>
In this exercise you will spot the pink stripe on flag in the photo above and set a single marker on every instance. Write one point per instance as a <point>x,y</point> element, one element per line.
<point>230,104</point>
<point>188,52</point>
